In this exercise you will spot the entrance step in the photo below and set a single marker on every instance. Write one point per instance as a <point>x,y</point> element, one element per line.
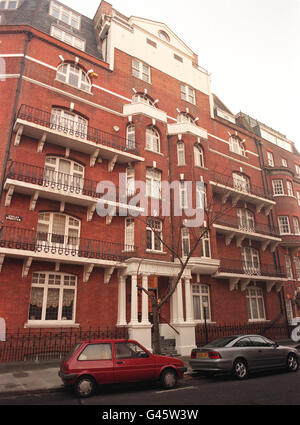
<point>168,347</point>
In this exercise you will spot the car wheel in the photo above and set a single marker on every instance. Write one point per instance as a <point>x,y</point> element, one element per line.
<point>85,387</point>
<point>292,363</point>
<point>168,379</point>
<point>240,369</point>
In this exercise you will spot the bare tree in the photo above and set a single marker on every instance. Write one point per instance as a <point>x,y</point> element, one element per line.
<point>212,212</point>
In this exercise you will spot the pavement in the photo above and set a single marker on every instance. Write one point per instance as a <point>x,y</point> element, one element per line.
<point>20,378</point>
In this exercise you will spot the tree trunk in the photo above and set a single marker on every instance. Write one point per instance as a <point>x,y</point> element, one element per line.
<point>156,335</point>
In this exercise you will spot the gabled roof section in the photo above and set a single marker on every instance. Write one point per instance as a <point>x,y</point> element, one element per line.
<point>153,28</point>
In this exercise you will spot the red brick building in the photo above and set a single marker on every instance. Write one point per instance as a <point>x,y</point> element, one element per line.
<point>117,101</point>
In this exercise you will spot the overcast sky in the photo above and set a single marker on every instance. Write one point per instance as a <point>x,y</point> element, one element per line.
<point>250,47</point>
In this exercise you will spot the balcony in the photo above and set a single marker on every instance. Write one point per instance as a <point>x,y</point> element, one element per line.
<point>227,187</point>
<point>233,227</point>
<point>187,128</point>
<point>292,242</point>
<point>30,245</point>
<point>142,108</point>
<point>244,272</point>
<point>45,127</point>
<point>38,182</point>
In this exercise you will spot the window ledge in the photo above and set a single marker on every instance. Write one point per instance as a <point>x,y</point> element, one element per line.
<point>53,325</point>
<point>152,251</point>
<point>150,150</point>
<point>76,88</point>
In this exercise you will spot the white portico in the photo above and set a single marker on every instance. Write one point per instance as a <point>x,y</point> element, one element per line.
<point>182,327</point>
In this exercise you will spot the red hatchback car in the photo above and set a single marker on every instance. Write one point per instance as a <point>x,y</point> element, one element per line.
<point>92,363</point>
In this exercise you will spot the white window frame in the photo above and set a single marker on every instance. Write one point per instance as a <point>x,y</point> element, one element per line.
<point>183,194</point>
<point>67,38</point>
<point>66,120</point>
<point>142,98</point>
<point>205,245</point>
<point>297,167</point>
<point>152,140</point>
<point>8,3</point>
<point>246,220</point>
<point>73,19</point>
<point>297,267</point>
<point>298,197</point>
<point>48,281</point>
<point>296,225</point>
<point>185,238</point>
<point>180,152</point>
<point>198,156</point>
<point>237,146</point>
<point>284,162</point>
<point>141,70</point>
<point>201,296</point>
<point>129,235</point>
<point>68,71</point>
<point>289,267</point>
<point>73,181</point>
<point>270,157</point>
<point>251,260</point>
<point>284,225</point>
<point>184,118</point>
<point>130,136</point>
<point>153,183</point>
<point>188,94</point>
<point>156,244</point>
<point>130,181</point>
<point>278,188</point>
<point>68,238</point>
<point>290,189</point>
<point>255,304</point>
<point>241,182</point>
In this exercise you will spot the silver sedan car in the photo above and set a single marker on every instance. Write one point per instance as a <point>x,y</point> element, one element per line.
<point>242,354</point>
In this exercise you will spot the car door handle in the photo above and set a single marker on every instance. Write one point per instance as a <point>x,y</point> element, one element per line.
<point>120,362</point>
<point>260,351</point>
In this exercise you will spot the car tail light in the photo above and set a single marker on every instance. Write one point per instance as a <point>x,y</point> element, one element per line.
<point>193,354</point>
<point>214,355</point>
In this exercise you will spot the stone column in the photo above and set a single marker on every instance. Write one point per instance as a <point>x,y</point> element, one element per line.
<point>122,301</point>
<point>145,301</point>
<point>134,300</point>
<point>180,318</point>
<point>188,301</point>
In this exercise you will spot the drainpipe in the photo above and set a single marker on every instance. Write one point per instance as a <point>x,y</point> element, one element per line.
<point>18,91</point>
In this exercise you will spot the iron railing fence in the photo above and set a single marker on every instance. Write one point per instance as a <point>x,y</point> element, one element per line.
<point>275,332</point>
<point>241,186</point>
<point>67,183</point>
<point>40,345</point>
<point>67,245</point>
<point>72,128</point>
<point>247,226</point>
<point>250,268</point>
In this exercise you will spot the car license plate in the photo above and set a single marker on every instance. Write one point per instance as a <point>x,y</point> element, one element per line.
<point>202,355</point>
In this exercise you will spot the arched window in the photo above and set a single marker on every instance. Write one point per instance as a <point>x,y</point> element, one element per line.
<point>152,139</point>
<point>130,136</point>
<point>56,230</point>
<point>52,298</point>
<point>184,117</point>
<point>241,182</point>
<point>142,98</point>
<point>72,74</point>
<point>180,153</point>
<point>237,146</point>
<point>198,155</point>
<point>63,173</point>
<point>67,121</point>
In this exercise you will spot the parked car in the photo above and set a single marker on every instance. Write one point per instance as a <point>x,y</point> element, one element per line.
<point>116,361</point>
<point>242,354</point>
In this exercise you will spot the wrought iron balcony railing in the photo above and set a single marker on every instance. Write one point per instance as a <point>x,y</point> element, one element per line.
<point>250,268</point>
<point>66,183</point>
<point>65,245</point>
<point>74,129</point>
<point>247,226</point>
<point>240,186</point>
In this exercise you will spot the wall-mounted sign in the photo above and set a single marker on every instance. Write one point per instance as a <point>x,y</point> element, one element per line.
<point>10,217</point>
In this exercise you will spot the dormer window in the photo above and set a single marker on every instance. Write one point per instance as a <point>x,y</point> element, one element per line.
<point>9,4</point>
<point>72,74</point>
<point>70,39</point>
<point>65,15</point>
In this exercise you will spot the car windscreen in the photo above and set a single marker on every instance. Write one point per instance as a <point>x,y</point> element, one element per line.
<point>71,352</point>
<point>220,342</point>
